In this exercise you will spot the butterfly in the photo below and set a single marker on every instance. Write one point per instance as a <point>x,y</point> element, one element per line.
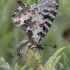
<point>35,20</point>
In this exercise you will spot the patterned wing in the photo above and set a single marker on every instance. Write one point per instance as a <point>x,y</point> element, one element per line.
<point>35,20</point>
<point>46,11</point>
<point>22,18</point>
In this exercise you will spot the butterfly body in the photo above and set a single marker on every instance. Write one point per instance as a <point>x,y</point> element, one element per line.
<point>35,20</point>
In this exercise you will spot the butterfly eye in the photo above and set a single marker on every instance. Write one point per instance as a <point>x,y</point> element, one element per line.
<point>40,47</point>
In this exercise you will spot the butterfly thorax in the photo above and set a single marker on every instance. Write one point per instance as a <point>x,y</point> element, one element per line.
<point>26,45</point>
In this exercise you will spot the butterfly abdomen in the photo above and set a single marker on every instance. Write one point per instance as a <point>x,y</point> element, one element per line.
<point>21,46</point>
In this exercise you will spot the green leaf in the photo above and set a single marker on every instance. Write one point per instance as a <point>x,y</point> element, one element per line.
<point>66,62</point>
<point>51,64</point>
<point>16,66</point>
<point>23,68</point>
<point>58,52</point>
<point>4,65</point>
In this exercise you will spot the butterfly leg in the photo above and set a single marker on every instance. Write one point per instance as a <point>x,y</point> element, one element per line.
<point>31,48</point>
<point>28,48</point>
<point>40,47</point>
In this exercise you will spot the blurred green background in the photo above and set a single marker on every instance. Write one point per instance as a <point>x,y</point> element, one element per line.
<point>11,35</point>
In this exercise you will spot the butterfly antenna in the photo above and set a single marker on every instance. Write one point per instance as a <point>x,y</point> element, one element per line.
<point>53,46</point>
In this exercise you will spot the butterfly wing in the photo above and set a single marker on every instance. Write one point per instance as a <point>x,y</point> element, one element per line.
<point>46,12</point>
<point>35,20</point>
<point>21,18</point>
<point>25,16</point>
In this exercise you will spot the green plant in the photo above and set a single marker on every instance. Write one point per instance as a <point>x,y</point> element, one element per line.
<point>52,63</point>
